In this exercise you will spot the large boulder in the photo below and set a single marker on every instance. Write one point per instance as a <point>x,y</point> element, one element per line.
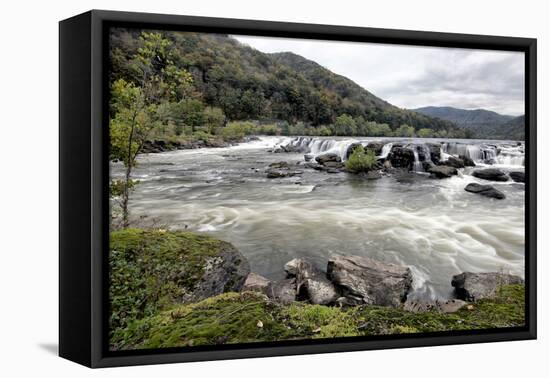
<point>468,162</point>
<point>255,282</point>
<point>311,283</point>
<point>367,281</point>
<point>517,176</point>
<point>283,292</point>
<point>475,286</point>
<point>435,152</point>
<point>454,162</point>
<point>375,147</point>
<point>442,171</point>
<point>325,158</point>
<point>484,190</point>
<point>401,157</point>
<point>490,174</point>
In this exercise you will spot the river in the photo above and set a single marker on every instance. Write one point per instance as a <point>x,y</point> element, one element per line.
<point>433,226</point>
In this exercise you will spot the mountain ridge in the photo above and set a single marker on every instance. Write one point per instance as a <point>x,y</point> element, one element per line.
<point>484,123</point>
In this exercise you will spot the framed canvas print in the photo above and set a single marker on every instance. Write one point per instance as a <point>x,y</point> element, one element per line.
<point>233,188</point>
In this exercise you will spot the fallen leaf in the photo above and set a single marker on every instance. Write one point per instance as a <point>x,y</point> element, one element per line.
<point>260,324</point>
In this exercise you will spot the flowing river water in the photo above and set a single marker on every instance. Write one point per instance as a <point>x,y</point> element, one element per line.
<point>433,226</point>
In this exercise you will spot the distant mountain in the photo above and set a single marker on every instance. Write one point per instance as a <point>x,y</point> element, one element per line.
<point>484,123</point>
<point>514,128</point>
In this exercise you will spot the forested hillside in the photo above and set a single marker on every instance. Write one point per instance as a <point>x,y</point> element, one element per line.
<point>235,82</point>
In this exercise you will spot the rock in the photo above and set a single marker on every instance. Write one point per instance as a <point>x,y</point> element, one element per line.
<point>322,159</point>
<point>491,174</point>
<point>401,157</point>
<point>442,171</point>
<point>484,190</point>
<point>435,152</point>
<point>279,165</point>
<point>290,149</point>
<point>454,162</point>
<point>452,305</point>
<point>311,283</point>
<point>291,267</point>
<point>276,173</point>
<point>427,165</point>
<point>375,147</point>
<point>308,157</point>
<point>468,162</point>
<point>475,286</point>
<point>367,281</point>
<point>283,291</point>
<point>517,176</point>
<point>334,164</point>
<point>255,282</point>
<point>223,273</point>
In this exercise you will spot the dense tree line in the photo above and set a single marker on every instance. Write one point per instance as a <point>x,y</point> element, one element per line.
<point>231,82</point>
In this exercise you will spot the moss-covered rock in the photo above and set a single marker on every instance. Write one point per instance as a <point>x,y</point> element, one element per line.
<point>252,317</point>
<point>151,271</point>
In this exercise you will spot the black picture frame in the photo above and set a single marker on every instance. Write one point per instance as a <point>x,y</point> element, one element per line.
<point>83,181</point>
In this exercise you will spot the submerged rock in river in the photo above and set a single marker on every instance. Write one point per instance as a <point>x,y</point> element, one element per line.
<point>491,174</point>
<point>454,162</point>
<point>484,190</point>
<point>517,176</point>
<point>442,171</point>
<point>468,162</point>
<point>367,281</point>
<point>325,158</point>
<point>474,286</point>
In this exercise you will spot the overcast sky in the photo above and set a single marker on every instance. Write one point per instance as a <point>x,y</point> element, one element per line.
<point>412,77</point>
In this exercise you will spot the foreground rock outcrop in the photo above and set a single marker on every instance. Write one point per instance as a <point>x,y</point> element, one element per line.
<point>442,171</point>
<point>367,281</point>
<point>154,269</point>
<point>311,283</point>
<point>475,286</point>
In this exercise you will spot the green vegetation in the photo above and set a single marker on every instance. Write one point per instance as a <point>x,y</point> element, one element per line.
<point>361,160</point>
<point>251,317</point>
<point>153,270</point>
<point>135,104</point>
<point>230,82</point>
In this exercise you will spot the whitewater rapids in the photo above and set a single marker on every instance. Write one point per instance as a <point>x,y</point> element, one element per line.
<point>433,226</point>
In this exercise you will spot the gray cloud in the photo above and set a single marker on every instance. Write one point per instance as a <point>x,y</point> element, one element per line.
<point>415,76</point>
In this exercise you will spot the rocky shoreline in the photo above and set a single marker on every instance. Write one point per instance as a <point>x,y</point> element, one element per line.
<point>359,281</point>
<point>175,288</point>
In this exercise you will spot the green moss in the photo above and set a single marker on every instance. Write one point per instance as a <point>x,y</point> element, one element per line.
<point>224,319</point>
<point>234,318</point>
<point>153,270</point>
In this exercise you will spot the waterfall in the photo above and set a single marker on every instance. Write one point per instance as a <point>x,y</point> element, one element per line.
<point>317,146</point>
<point>417,164</point>
<point>480,152</point>
<point>386,149</point>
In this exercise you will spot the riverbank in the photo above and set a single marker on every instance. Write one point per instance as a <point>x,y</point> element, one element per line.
<point>175,289</point>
